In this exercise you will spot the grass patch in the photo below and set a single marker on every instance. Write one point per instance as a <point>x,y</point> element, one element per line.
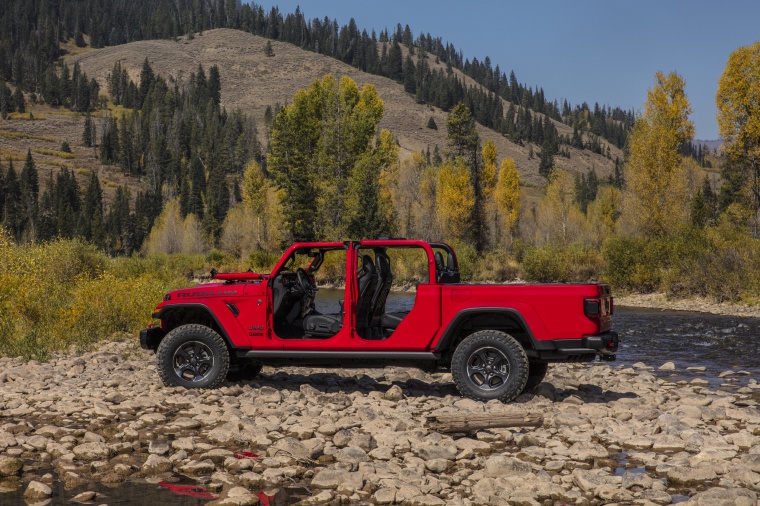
<point>21,135</point>
<point>53,152</point>
<point>7,154</point>
<point>24,116</point>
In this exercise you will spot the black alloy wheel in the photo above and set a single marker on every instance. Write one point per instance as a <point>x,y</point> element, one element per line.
<point>193,356</point>
<point>490,364</point>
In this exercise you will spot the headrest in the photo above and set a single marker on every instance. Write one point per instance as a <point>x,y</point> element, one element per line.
<point>438,259</point>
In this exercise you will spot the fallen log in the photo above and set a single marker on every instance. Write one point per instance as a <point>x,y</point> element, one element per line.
<point>473,422</point>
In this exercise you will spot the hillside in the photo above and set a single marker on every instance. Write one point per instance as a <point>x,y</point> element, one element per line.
<point>252,81</point>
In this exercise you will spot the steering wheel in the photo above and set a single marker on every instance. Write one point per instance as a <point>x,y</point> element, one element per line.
<point>305,283</point>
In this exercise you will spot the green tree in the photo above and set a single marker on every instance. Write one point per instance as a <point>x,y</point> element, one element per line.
<point>30,189</point>
<point>317,143</point>
<point>738,105</point>
<point>217,203</point>
<point>88,134</point>
<point>91,225</point>
<point>13,208</point>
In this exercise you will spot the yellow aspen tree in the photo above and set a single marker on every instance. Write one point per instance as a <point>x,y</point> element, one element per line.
<point>559,217</point>
<point>488,174</point>
<point>655,171</point>
<point>254,187</point>
<point>455,199</point>
<point>603,213</point>
<point>738,101</point>
<point>507,195</point>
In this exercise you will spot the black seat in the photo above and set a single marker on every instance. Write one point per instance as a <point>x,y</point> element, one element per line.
<point>446,272</point>
<point>367,281</point>
<point>327,325</point>
<point>384,283</point>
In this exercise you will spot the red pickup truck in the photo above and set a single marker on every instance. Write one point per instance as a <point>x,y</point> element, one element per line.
<point>497,340</point>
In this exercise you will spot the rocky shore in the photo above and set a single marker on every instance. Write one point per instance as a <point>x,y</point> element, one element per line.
<point>700,304</point>
<point>611,434</point>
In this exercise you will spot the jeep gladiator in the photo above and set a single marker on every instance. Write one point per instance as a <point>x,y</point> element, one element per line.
<point>496,339</point>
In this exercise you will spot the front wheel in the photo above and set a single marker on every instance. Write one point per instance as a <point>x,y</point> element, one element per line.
<point>193,356</point>
<point>489,364</point>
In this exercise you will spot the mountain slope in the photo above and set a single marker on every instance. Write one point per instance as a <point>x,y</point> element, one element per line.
<point>252,81</point>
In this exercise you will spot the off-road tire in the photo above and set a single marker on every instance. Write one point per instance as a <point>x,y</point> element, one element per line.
<point>243,370</point>
<point>212,348</point>
<point>510,366</point>
<point>536,374</point>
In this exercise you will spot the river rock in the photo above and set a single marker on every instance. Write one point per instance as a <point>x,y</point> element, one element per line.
<point>84,497</point>
<point>394,393</point>
<point>331,479</point>
<point>37,490</point>
<point>751,460</point>
<point>691,476</point>
<point>724,497</point>
<point>157,464</point>
<point>92,451</point>
<point>10,466</point>
<point>198,468</point>
<point>158,448</point>
<point>500,465</point>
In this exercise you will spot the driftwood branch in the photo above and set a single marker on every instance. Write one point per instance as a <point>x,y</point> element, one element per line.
<point>473,422</point>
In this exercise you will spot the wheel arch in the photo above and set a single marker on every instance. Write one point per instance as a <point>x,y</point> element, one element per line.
<point>471,320</point>
<point>182,314</point>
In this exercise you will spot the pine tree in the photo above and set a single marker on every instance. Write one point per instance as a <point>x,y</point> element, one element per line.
<point>12,213</point>
<point>217,203</point>
<point>79,39</point>
<point>146,80</point>
<point>88,134</point>
<point>30,188</point>
<point>431,124</point>
<point>215,85</point>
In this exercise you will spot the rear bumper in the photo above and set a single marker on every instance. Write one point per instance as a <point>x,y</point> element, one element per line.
<point>604,345</point>
<point>150,337</point>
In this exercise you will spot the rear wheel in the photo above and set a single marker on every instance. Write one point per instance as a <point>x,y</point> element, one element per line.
<point>536,374</point>
<point>192,356</point>
<point>489,364</point>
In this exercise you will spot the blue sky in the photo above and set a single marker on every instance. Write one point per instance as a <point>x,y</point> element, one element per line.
<point>593,51</point>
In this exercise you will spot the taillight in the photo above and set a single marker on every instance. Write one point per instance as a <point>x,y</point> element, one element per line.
<point>592,307</point>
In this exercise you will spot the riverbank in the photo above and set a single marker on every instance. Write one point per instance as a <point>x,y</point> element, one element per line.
<point>700,304</point>
<point>610,435</point>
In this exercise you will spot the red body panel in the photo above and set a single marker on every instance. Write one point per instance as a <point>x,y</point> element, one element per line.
<point>549,311</point>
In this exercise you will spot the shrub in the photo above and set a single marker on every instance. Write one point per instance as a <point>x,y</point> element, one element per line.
<point>545,265</point>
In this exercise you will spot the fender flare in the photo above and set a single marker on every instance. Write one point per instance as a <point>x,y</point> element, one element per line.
<point>196,305</point>
<point>449,334</point>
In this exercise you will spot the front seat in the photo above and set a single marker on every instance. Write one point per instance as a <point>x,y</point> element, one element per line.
<point>379,298</point>
<point>327,325</point>
<point>367,281</point>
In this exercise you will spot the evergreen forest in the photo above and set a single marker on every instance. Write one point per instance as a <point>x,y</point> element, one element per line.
<point>327,171</point>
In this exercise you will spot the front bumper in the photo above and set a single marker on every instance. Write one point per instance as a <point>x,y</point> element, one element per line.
<point>604,345</point>
<point>151,337</point>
